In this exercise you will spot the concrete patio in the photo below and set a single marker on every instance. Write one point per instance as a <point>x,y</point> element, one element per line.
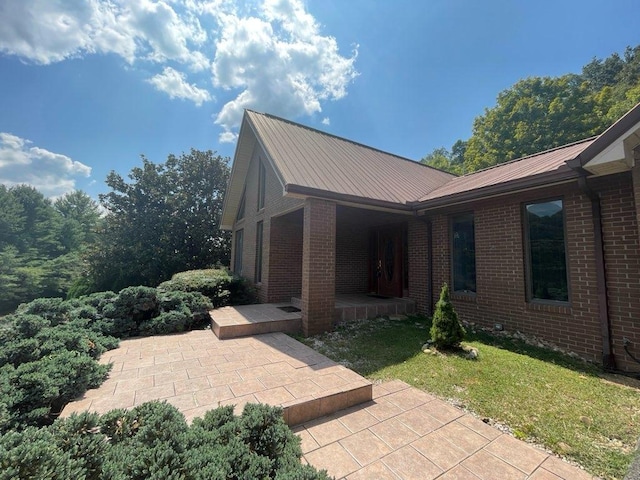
<point>348,426</point>
<point>244,320</point>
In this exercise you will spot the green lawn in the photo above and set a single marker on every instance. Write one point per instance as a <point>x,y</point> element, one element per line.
<point>544,397</point>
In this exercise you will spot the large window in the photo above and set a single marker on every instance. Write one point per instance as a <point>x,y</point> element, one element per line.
<point>258,252</point>
<point>547,261</point>
<point>237,255</point>
<point>463,253</point>
<point>241,207</point>
<point>262,177</point>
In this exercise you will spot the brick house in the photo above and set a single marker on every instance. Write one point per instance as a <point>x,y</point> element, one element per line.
<point>547,244</point>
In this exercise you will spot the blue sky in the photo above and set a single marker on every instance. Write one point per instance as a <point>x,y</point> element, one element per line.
<point>88,86</point>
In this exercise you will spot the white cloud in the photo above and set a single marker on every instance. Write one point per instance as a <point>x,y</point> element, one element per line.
<point>175,85</point>
<point>268,55</point>
<point>51,173</point>
<point>279,61</point>
<point>326,121</point>
<point>49,31</point>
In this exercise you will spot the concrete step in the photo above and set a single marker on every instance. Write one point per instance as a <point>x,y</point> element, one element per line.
<point>245,320</point>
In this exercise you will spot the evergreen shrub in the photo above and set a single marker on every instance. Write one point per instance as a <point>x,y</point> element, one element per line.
<point>153,440</point>
<point>446,329</point>
<point>219,285</point>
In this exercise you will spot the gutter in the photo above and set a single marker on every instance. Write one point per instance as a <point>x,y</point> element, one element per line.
<point>608,359</point>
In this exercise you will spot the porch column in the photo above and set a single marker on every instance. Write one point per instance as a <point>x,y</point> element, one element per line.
<point>318,266</point>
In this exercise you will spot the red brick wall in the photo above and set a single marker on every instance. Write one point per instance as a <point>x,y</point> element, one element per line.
<point>285,262</point>
<point>352,258</point>
<point>500,272</point>
<point>418,241</point>
<point>500,269</point>
<point>318,266</point>
<point>622,265</point>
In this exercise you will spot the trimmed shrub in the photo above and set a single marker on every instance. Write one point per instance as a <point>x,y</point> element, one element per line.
<point>219,285</point>
<point>446,329</point>
<point>153,440</point>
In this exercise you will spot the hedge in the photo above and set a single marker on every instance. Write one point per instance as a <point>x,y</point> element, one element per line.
<point>153,441</point>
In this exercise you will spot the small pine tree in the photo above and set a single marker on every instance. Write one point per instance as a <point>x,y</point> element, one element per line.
<point>446,329</point>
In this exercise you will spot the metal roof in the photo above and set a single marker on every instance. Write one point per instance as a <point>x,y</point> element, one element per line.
<point>309,162</point>
<point>313,162</point>
<point>541,168</point>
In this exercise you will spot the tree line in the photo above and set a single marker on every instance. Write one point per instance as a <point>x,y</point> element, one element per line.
<point>539,113</point>
<point>161,220</point>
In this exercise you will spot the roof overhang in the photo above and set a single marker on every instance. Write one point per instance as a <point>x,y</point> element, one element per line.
<point>528,183</point>
<point>615,150</point>
<point>241,160</point>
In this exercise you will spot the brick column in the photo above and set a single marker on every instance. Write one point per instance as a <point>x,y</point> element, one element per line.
<point>318,266</point>
<point>418,242</point>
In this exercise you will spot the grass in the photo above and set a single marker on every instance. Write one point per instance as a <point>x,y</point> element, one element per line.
<point>544,397</point>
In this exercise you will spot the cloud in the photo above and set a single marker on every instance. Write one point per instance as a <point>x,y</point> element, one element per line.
<point>175,85</point>
<point>268,55</point>
<point>46,31</point>
<point>326,121</point>
<point>51,173</point>
<point>279,62</point>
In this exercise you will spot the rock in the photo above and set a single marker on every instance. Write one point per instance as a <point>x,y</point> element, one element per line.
<point>472,353</point>
<point>564,448</point>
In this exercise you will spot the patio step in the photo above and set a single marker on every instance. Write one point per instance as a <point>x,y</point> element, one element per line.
<point>363,307</point>
<point>245,320</point>
<point>203,372</point>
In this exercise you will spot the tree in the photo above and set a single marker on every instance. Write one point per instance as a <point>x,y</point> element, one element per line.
<point>40,243</point>
<point>534,115</point>
<point>164,221</point>
<point>81,216</point>
<point>446,329</point>
<point>442,159</point>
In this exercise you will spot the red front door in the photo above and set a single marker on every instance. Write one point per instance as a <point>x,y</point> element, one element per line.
<point>388,262</point>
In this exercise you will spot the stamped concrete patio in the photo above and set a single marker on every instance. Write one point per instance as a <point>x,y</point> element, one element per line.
<point>348,426</point>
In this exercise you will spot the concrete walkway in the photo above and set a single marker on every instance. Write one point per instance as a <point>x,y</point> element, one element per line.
<point>347,426</point>
<point>404,433</point>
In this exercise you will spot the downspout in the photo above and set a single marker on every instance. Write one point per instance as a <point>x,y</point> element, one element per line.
<point>608,359</point>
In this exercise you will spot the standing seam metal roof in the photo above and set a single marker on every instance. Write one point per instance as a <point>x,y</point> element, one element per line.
<point>316,160</point>
<point>524,168</point>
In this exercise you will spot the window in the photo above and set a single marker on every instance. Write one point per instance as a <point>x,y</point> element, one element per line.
<point>240,214</point>
<point>262,174</point>
<point>463,253</point>
<point>258,252</point>
<point>237,255</point>
<point>546,257</point>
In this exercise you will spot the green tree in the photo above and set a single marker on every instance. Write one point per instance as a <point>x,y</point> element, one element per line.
<point>40,243</point>
<point>446,329</point>
<point>11,218</point>
<point>164,221</point>
<point>81,216</point>
<point>534,115</point>
<point>442,159</point>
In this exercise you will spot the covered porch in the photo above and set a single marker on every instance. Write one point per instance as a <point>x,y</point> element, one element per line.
<point>338,263</point>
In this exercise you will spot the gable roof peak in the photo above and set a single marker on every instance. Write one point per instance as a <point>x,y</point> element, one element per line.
<point>344,139</point>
